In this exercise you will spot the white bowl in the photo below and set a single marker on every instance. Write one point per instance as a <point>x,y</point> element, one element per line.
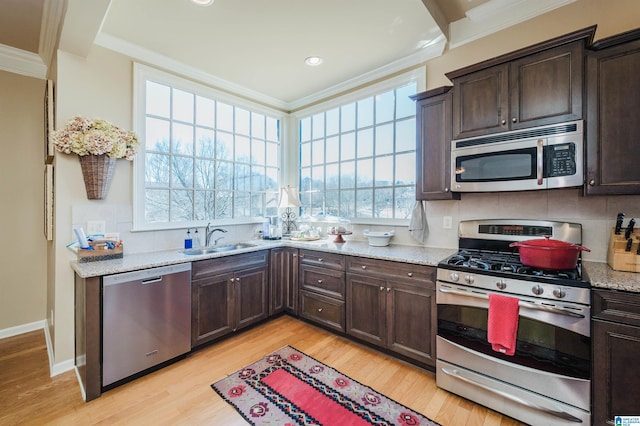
<point>378,238</point>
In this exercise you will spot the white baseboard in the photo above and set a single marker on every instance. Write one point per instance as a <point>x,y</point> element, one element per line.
<point>54,369</point>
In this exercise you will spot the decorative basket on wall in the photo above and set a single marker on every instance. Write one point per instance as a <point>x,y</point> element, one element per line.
<point>97,171</point>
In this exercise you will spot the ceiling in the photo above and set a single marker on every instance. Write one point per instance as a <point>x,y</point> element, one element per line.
<point>256,48</point>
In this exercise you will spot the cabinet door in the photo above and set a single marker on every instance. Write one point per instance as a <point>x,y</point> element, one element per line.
<point>250,294</point>
<point>433,145</point>
<point>613,128</point>
<point>480,102</point>
<point>211,312</point>
<point>366,307</point>
<point>411,319</point>
<point>277,276</point>
<point>616,371</point>
<point>546,88</point>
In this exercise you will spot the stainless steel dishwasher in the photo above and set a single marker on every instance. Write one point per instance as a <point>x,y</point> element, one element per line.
<point>146,319</point>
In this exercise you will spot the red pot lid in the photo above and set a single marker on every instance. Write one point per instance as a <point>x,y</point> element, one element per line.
<point>548,243</point>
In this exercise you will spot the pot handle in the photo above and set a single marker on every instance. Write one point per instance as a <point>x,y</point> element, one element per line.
<point>581,248</point>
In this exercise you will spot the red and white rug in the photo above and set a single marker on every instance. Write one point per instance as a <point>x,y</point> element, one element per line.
<point>288,387</point>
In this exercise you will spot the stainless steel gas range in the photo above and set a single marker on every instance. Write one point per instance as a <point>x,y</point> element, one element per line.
<point>547,381</point>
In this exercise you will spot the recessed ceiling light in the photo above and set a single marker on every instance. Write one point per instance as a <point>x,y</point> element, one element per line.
<point>313,61</point>
<point>203,2</point>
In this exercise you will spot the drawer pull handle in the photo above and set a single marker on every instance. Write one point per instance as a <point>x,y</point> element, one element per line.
<point>319,309</point>
<point>319,281</point>
<point>364,266</point>
<point>410,274</point>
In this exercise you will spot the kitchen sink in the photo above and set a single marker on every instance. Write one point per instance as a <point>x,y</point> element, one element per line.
<point>216,249</point>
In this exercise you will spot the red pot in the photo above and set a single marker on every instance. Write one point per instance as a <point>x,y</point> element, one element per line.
<point>549,254</point>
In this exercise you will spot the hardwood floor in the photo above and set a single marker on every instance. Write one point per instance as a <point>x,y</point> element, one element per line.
<point>180,394</point>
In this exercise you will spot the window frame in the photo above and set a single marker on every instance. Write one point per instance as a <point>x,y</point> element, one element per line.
<point>417,76</point>
<point>142,73</point>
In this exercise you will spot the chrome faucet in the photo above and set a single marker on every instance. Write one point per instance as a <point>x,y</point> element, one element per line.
<point>208,232</point>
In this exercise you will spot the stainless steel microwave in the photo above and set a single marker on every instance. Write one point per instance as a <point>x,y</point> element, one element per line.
<point>543,157</point>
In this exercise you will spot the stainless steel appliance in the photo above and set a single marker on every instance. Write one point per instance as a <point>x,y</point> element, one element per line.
<point>538,158</point>
<point>548,379</point>
<point>146,319</point>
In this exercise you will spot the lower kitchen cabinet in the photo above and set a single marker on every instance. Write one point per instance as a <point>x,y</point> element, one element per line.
<point>228,294</point>
<point>616,351</point>
<point>283,280</point>
<point>392,305</point>
<point>321,283</point>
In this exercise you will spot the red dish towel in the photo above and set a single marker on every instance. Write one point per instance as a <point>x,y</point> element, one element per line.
<point>502,324</point>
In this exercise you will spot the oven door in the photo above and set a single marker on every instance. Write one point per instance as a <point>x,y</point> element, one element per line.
<point>506,166</point>
<point>551,338</point>
<point>546,381</point>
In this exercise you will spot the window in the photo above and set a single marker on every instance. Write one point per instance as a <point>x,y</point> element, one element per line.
<point>358,159</point>
<point>205,156</point>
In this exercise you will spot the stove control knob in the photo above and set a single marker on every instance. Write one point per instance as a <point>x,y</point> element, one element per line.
<point>537,290</point>
<point>454,276</point>
<point>469,279</point>
<point>502,284</point>
<point>559,293</point>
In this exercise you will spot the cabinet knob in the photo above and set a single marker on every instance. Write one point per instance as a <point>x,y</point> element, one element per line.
<point>364,266</point>
<point>319,309</point>
<point>409,274</point>
<point>592,182</point>
<point>320,259</point>
<point>381,288</point>
<point>237,280</point>
<point>232,280</point>
<point>514,120</point>
<point>503,122</point>
<point>388,289</point>
<point>446,190</point>
<point>319,281</point>
<point>295,255</point>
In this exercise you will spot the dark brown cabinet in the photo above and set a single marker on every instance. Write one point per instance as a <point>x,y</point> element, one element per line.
<point>228,294</point>
<point>538,85</point>
<point>616,348</point>
<point>433,145</point>
<point>283,280</point>
<point>321,283</point>
<point>392,305</point>
<point>613,127</point>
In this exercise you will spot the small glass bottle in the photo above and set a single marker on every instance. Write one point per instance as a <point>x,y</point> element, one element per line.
<point>196,239</point>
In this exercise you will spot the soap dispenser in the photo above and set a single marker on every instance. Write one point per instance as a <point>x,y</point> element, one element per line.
<point>188,242</point>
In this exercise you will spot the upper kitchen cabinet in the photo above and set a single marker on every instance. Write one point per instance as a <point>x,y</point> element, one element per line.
<point>433,147</point>
<point>538,85</point>
<point>613,127</point>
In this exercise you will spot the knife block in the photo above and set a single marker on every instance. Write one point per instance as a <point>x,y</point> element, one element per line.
<point>618,258</point>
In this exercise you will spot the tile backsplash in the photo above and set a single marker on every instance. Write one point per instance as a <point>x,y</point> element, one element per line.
<point>596,214</point>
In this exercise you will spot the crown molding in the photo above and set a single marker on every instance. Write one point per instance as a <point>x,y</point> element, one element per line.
<point>152,58</point>
<point>52,17</point>
<point>497,15</point>
<point>147,56</point>
<point>19,61</point>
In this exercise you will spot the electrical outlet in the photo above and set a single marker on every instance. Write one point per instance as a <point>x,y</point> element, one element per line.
<point>96,227</point>
<point>447,222</point>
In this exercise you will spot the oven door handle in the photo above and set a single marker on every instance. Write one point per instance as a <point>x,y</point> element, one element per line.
<point>522,303</point>
<point>561,414</point>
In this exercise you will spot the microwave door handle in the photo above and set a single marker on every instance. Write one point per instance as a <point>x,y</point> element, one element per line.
<point>523,303</point>
<point>540,157</point>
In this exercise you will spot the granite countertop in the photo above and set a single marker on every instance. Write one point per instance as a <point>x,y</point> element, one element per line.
<point>602,276</point>
<point>396,252</point>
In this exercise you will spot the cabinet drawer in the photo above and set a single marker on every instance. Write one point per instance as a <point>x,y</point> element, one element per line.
<point>405,272</point>
<point>323,310</point>
<point>325,281</point>
<point>617,306</point>
<point>220,265</point>
<point>322,259</point>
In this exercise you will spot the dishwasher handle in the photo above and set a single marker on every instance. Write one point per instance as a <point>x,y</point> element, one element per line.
<point>152,280</point>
